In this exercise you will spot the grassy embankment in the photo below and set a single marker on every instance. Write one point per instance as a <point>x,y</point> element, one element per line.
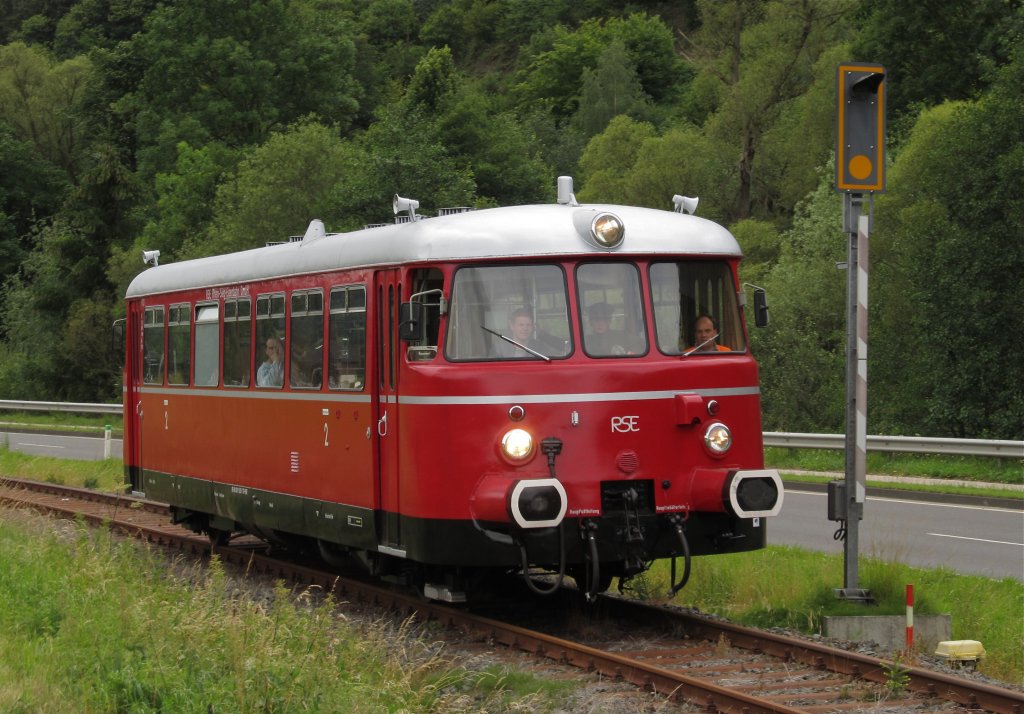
<point>781,586</point>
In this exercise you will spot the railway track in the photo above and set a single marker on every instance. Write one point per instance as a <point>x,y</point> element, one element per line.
<point>692,660</point>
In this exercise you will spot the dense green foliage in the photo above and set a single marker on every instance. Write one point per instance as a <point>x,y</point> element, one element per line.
<point>203,126</point>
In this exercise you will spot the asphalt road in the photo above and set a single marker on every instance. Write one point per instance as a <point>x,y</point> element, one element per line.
<point>965,538</point>
<point>62,446</point>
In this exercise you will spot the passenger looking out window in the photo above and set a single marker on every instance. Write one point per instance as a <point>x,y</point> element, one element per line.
<point>270,333</point>
<point>271,372</point>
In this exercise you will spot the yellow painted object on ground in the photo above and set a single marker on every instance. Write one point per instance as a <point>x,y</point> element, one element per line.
<point>960,650</point>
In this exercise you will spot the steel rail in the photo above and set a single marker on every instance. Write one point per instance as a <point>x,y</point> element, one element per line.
<point>999,448</point>
<point>670,683</point>
<point>937,684</point>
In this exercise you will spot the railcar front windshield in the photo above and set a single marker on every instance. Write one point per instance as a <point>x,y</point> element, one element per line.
<point>509,312</point>
<point>520,312</point>
<point>695,309</point>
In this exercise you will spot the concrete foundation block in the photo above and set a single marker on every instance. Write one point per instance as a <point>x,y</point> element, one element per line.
<point>890,631</point>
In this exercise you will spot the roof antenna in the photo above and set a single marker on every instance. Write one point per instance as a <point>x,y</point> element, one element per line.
<point>565,195</point>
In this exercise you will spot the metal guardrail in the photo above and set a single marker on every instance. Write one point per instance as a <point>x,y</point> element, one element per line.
<point>73,407</point>
<point>1002,448</point>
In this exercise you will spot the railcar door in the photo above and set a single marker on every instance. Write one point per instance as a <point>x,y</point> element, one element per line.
<point>132,400</point>
<point>388,296</point>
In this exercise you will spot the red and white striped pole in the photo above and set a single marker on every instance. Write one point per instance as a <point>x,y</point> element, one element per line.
<point>910,619</point>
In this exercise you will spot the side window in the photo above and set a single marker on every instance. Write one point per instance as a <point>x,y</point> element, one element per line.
<point>306,353</point>
<point>179,349</point>
<point>207,345</point>
<point>270,340</point>
<point>611,310</point>
<point>347,352</point>
<point>426,284</point>
<point>237,342</point>
<point>153,346</point>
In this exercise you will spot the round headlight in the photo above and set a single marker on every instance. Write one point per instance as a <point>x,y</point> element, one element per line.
<point>607,230</point>
<point>517,445</point>
<point>718,438</point>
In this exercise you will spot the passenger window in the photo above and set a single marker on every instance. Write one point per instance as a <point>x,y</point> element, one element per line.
<point>306,354</point>
<point>153,346</point>
<point>347,357</point>
<point>611,310</point>
<point>179,348</point>
<point>270,340</point>
<point>237,342</point>
<point>207,345</point>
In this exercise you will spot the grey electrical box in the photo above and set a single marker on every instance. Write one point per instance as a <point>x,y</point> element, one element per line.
<point>837,500</point>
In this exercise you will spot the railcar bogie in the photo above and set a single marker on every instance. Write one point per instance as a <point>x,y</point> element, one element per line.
<point>559,387</point>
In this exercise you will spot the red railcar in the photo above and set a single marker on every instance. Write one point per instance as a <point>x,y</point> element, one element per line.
<point>566,387</point>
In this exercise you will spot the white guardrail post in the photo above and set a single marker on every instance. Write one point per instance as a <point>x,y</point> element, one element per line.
<point>1000,448</point>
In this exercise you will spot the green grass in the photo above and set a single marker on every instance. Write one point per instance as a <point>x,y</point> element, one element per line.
<point>105,475</point>
<point>94,624</point>
<point>969,468</point>
<point>790,587</point>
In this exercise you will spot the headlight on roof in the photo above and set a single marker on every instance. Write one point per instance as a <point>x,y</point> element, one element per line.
<point>607,230</point>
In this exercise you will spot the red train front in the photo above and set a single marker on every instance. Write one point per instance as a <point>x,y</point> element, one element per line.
<point>565,387</point>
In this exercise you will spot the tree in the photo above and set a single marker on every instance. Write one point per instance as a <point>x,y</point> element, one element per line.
<point>30,191</point>
<point>951,223</point>
<point>278,188</point>
<point>554,71</point>
<point>610,89</point>
<point>240,71</point>
<point>39,98</point>
<point>936,50</point>
<point>802,352</point>
<point>760,58</point>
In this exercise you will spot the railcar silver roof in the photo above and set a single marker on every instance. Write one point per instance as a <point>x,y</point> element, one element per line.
<point>510,232</point>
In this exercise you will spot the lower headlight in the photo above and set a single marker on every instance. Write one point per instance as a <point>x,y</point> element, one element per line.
<point>718,438</point>
<point>517,445</point>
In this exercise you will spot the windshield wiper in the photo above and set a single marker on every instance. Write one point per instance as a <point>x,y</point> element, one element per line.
<point>690,351</point>
<point>517,344</point>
